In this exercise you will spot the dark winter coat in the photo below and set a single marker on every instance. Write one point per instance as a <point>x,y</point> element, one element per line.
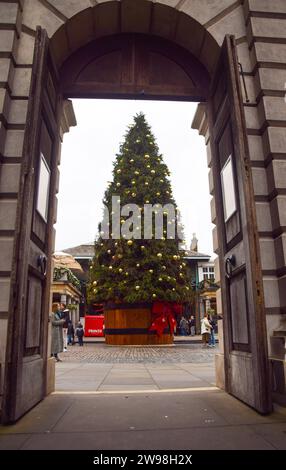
<point>79,332</point>
<point>57,343</point>
<point>70,329</point>
<point>65,314</point>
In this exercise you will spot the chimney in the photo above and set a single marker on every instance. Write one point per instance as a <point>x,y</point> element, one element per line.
<point>194,243</point>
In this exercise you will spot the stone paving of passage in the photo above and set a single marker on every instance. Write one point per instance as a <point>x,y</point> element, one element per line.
<point>101,353</point>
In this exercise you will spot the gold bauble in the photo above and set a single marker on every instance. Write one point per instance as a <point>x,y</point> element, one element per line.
<point>126,274</point>
<point>160,279</point>
<point>146,155</point>
<point>118,184</point>
<point>133,194</point>
<point>120,270</point>
<point>131,161</point>
<point>130,242</point>
<point>133,182</point>
<point>119,171</point>
<point>137,265</point>
<point>153,172</point>
<point>154,295</point>
<point>142,247</point>
<point>158,194</point>
<point>94,283</point>
<point>159,255</point>
<point>136,172</point>
<point>110,267</point>
<point>164,267</point>
<point>146,183</point>
<point>151,271</point>
<point>148,166</point>
<point>175,257</point>
<point>137,287</point>
<point>147,201</point>
<point>108,251</point>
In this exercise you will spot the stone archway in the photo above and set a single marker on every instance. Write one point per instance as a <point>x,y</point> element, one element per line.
<point>72,25</point>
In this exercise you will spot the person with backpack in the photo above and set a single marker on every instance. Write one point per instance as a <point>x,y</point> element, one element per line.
<point>79,332</point>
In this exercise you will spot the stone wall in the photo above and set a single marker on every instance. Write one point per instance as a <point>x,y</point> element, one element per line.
<point>14,90</point>
<point>266,122</point>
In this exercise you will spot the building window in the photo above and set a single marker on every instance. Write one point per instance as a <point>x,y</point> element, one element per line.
<point>208,273</point>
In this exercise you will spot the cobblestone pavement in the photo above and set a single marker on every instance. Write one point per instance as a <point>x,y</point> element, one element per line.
<point>101,353</point>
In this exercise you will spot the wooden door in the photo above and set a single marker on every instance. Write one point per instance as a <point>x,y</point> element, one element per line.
<point>246,359</point>
<point>26,363</point>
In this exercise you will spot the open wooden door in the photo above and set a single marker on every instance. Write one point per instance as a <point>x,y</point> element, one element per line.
<point>246,359</point>
<point>26,358</point>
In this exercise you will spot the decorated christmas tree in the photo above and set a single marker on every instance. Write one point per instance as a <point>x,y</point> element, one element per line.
<point>137,256</point>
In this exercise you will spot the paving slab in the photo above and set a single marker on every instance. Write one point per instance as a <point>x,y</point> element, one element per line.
<point>213,439</point>
<point>182,420</point>
<point>275,434</point>
<point>140,398</point>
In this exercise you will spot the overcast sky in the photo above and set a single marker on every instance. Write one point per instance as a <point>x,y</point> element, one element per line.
<point>89,150</point>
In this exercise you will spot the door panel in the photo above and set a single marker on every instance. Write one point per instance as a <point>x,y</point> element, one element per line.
<point>246,358</point>
<point>25,373</point>
<point>33,315</point>
<point>131,65</point>
<point>238,303</point>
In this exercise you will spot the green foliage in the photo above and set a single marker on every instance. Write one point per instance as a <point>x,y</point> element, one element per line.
<point>139,270</point>
<point>60,272</point>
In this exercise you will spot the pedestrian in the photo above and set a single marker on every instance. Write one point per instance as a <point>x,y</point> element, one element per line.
<point>212,336</point>
<point>57,331</point>
<point>79,333</point>
<point>205,329</point>
<point>192,325</point>
<point>70,333</point>
<point>65,315</point>
<point>184,326</point>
